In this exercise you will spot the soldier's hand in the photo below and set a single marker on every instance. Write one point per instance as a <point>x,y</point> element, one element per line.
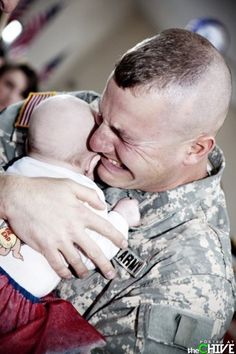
<point>49,215</point>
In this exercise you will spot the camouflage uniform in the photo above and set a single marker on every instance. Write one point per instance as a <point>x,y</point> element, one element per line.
<point>183,292</point>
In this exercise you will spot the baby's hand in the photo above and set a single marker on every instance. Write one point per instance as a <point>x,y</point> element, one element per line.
<point>129,209</point>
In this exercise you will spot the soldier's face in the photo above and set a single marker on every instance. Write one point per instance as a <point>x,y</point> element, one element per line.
<point>138,147</point>
<point>8,5</point>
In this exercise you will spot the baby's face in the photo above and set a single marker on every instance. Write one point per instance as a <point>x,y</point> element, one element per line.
<point>87,158</point>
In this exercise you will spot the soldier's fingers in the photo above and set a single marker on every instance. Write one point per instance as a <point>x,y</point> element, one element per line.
<point>105,228</point>
<point>88,195</point>
<point>72,255</point>
<point>95,254</point>
<point>57,262</point>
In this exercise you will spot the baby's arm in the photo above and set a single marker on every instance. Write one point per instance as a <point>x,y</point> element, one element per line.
<point>26,266</point>
<point>33,273</point>
<point>124,214</point>
<point>31,270</point>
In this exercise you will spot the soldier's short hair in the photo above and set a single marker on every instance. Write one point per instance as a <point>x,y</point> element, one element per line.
<point>175,56</point>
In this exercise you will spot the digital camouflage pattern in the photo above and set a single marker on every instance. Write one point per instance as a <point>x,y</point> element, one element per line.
<point>185,291</point>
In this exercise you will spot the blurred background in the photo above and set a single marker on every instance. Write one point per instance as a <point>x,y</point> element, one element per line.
<point>73,45</point>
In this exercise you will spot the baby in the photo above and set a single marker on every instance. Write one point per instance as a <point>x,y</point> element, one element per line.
<point>58,148</point>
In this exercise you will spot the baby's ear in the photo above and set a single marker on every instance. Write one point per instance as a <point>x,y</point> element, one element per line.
<point>93,163</point>
<point>27,146</point>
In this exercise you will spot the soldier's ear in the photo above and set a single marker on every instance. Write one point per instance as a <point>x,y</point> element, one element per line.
<point>199,149</point>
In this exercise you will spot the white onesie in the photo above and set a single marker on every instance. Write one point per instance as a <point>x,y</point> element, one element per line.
<point>34,273</point>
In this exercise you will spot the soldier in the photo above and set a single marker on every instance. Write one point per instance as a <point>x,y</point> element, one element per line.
<point>157,118</point>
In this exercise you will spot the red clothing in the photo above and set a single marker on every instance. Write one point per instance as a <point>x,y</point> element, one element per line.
<point>31,325</point>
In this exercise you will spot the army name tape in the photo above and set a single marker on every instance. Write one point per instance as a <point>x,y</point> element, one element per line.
<point>132,263</point>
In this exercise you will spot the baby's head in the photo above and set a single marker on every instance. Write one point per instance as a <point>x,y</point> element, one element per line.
<point>59,131</point>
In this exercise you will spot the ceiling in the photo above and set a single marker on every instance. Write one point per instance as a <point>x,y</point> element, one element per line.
<point>172,13</point>
<point>85,24</point>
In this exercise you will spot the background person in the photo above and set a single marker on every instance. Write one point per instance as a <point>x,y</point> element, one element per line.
<point>16,82</point>
<point>157,121</point>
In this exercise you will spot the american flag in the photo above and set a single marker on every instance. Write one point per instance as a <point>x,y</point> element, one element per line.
<point>51,65</point>
<point>33,28</point>
<point>31,102</point>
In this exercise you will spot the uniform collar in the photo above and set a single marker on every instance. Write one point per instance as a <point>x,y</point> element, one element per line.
<point>161,207</point>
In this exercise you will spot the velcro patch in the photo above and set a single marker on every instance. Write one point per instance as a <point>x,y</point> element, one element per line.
<point>34,98</point>
<point>174,326</point>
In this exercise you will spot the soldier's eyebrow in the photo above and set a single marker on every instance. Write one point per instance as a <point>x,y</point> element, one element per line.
<point>118,131</point>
